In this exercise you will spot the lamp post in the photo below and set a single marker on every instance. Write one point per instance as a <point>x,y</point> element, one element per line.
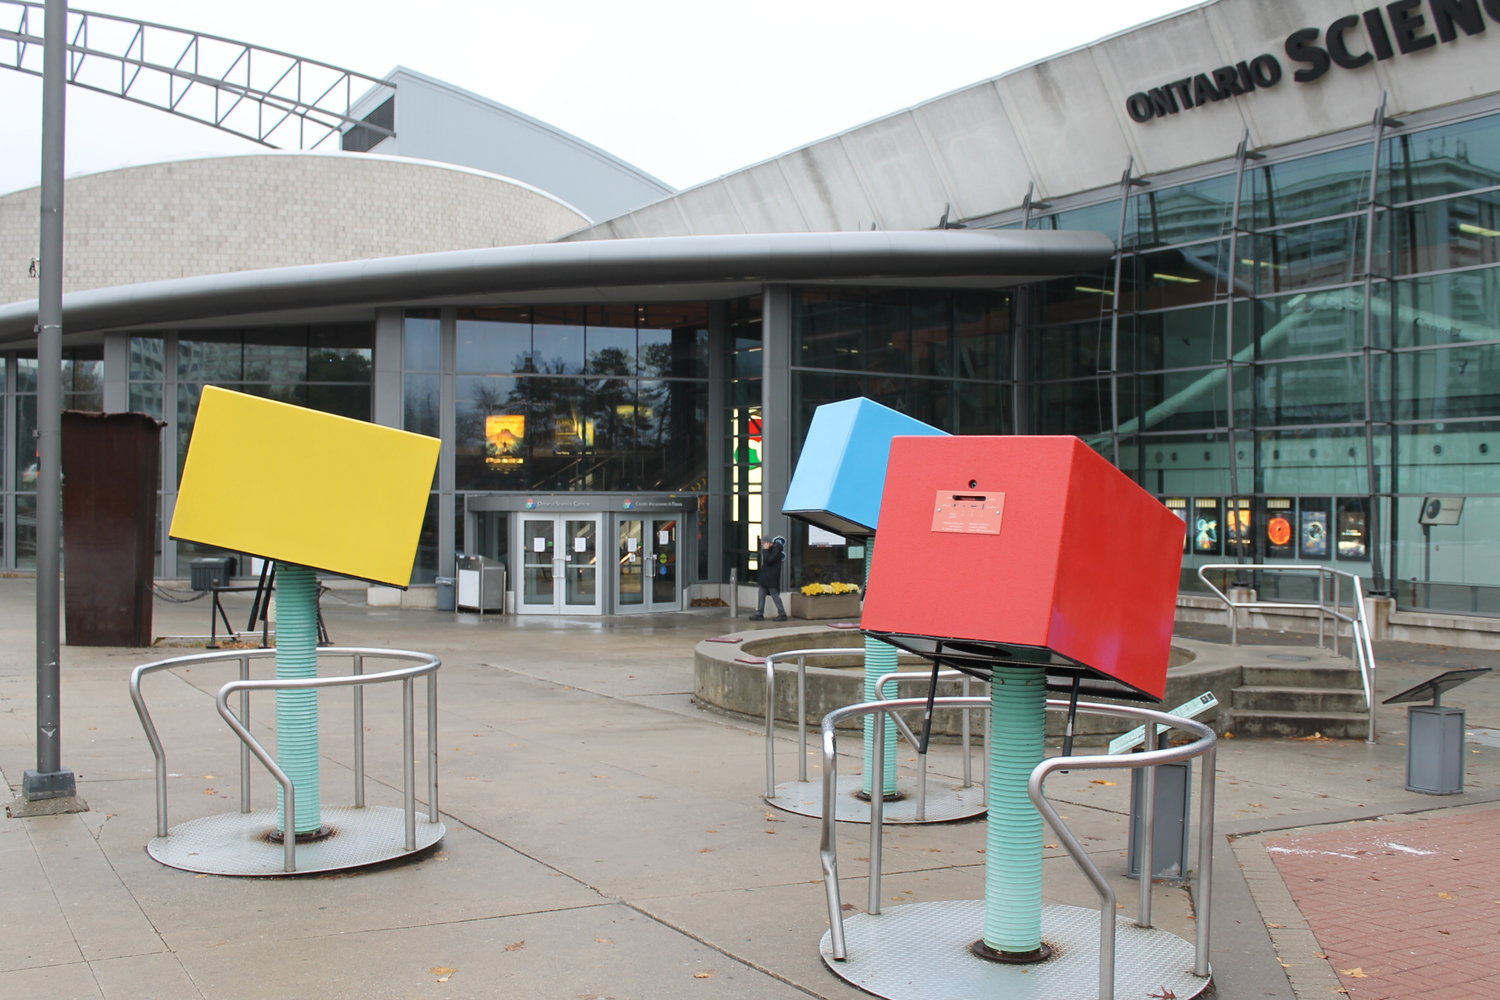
<point>50,780</point>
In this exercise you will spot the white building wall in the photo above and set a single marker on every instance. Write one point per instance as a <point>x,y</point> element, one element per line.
<point>239,213</point>
<point>1062,124</point>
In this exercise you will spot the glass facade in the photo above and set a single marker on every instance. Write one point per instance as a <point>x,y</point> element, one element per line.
<point>1295,351</point>
<point>559,398</point>
<point>1296,354</point>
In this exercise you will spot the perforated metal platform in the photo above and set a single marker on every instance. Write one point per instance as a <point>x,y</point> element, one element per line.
<point>239,843</point>
<point>946,801</point>
<point>920,951</point>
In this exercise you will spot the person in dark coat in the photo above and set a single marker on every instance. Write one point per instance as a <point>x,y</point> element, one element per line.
<point>772,556</point>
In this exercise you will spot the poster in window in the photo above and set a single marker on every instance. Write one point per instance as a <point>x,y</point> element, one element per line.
<point>1179,506</point>
<point>1204,527</point>
<point>1353,540</point>
<point>1239,536</point>
<point>504,439</point>
<point>1280,533</point>
<point>1312,528</point>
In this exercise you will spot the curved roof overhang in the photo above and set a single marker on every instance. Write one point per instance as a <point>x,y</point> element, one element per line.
<point>604,270</point>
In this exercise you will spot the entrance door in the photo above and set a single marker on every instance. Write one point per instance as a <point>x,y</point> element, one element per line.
<point>559,564</point>
<point>646,564</point>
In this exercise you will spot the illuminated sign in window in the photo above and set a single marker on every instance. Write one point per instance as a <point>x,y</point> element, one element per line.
<point>505,439</point>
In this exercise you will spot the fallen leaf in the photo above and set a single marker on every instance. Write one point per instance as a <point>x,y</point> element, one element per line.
<point>1444,895</point>
<point>442,970</point>
<point>1165,994</point>
<point>1228,735</point>
<point>1269,924</point>
<point>847,906</point>
<point>703,975</point>
<point>1319,954</point>
<point>1355,973</point>
<point>1314,738</point>
<point>515,946</point>
<point>604,940</point>
<point>1445,932</point>
<point>210,791</point>
<point>1102,781</point>
<point>1051,846</point>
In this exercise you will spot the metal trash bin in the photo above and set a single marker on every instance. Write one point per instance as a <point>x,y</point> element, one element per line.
<point>481,584</point>
<point>211,571</point>
<point>444,593</point>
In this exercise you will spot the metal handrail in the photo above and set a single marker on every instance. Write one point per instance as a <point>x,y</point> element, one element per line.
<point>1359,626</point>
<point>964,735</point>
<point>1204,745</point>
<point>426,665</point>
<point>772,660</point>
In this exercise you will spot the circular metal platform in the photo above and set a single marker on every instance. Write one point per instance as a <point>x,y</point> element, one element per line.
<point>920,951</point>
<point>239,843</point>
<point>946,801</point>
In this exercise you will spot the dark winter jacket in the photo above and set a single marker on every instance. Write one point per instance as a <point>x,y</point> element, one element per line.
<point>770,564</point>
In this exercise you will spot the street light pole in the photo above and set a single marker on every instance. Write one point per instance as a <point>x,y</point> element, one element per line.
<point>50,780</point>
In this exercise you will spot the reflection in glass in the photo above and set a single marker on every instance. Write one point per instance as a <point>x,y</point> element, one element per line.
<point>536,561</point>
<point>664,561</point>
<point>420,339</point>
<point>582,566</point>
<point>632,591</point>
<point>496,339</point>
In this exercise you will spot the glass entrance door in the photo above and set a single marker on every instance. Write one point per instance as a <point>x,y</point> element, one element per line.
<point>646,565</point>
<point>559,564</point>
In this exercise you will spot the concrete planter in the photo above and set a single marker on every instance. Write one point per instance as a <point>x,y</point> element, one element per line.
<point>824,606</point>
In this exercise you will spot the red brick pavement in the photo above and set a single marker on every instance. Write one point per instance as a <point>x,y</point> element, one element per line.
<point>1403,910</point>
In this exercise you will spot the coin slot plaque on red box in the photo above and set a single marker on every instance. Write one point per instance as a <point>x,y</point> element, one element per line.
<point>968,513</point>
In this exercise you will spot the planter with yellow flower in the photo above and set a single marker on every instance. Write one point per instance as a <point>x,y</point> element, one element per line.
<point>826,600</point>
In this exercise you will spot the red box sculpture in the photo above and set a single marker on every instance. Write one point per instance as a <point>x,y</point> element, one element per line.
<point>1025,550</point>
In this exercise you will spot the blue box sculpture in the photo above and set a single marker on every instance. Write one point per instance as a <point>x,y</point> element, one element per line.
<point>840,474</point>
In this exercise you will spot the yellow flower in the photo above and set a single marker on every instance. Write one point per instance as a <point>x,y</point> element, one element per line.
<point>815,589</point>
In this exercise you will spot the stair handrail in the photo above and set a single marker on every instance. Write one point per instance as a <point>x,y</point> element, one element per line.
<point>1355,618</point>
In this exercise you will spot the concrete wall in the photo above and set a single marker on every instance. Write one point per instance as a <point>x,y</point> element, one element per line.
<point>238,213</point>
<point>1063,124</point>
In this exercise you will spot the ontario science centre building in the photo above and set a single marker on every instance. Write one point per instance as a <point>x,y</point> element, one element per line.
<point>1250,253</point>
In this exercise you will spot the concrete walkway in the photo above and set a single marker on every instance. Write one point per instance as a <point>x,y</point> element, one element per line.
<point>607,839</point>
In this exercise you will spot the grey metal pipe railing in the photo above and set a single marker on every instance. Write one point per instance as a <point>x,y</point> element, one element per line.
<point>1355,618</point>
<point>964,734</point>
<point>1203,745</point>
<point>426,665</point>
<point>772,661</point>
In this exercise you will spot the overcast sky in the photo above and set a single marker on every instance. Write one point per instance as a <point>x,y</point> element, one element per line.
<point>684,90</point>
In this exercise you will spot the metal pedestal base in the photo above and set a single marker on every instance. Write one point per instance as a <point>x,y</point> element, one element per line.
<point>946,801</point>
<point>239,843</point>
<point>920,951</point>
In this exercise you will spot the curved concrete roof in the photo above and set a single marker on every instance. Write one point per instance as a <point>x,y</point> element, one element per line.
<point>601,266</point>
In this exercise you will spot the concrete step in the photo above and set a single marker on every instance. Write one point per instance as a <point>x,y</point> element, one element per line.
<point>1268,698</point>
<point>1335,725</point>
<point>1321,675</point>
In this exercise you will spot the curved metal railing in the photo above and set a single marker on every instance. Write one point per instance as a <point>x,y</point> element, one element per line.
<point>928,676</point>
<point>773,660</point>
<point>1327,606</point>
<point>425,664</point>
<point>1203,745</point>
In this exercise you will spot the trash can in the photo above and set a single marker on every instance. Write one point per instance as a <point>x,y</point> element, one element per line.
<point>444,593</point>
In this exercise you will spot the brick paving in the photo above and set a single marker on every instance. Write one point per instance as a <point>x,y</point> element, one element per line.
<point>1403,910</point>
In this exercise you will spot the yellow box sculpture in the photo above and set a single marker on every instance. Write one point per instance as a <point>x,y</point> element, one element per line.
<point>300,486</point>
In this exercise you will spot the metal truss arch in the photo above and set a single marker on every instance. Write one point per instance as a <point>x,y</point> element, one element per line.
<point>275,98</point>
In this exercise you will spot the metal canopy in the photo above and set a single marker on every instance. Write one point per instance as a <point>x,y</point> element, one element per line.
<point>610,269</point>
<point>270,97</point>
